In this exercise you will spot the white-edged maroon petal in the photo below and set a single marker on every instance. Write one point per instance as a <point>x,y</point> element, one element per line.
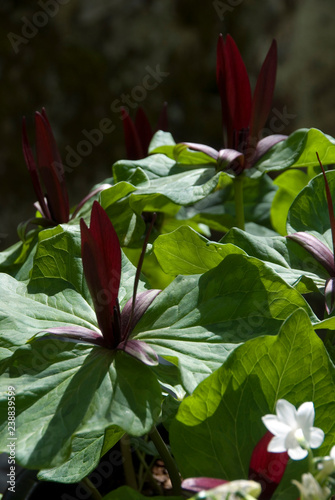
<point>142,302</point>
<point>230,158</point>
<point>316,248</point>
<point>213,153</point>
<point>139,350</point>
<point>265,144</point>
<point>330,295</point>
<point>201,483</point>
<point>75,333</point>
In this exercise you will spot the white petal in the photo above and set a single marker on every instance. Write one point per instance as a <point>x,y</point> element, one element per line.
<point>291,440</point>
<point>316,437</point>
<point>305,416</point>
<point>277,445</point>
<point>297,453</point>
<point>286,412</point>
<point>275,426</point>
<point>332,452</point>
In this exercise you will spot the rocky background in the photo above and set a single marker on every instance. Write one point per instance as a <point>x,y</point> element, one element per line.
<point>82,59</point>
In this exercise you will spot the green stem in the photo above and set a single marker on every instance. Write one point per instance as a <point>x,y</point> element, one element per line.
<point>147,475</point>
<point>128,465</point>
<point>239,206</point>
<point>311,467</point>
<point>168,461</point>
<point>91,488</point>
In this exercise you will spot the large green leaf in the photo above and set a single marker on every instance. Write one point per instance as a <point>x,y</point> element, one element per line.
<point>290,183</point>
<point>17,260</point>
<point>57,294</point>
<point>309,211</point>
<point>65,390</point>
<point>54,370</point>
<point>128,224</point>
<point>198,320</point>
<point>162,142</point>
<point>125,203</point>
<point>87,449</point>
<point>184,251</point>
<point>155,166</point>
<point>298,150</point>
<point>291,261</point>
<point>217,428</point>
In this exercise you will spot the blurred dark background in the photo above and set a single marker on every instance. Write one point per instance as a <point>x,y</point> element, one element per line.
<point>80,58</point>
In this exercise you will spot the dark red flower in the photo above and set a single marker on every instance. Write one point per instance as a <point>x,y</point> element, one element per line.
<point>243,115</point>
<point>265,468</point>
<point>47,174</point>
<point>101,255</point>
<point>139,133</point>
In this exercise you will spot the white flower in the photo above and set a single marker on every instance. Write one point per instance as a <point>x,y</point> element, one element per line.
<point>327,464</point>
<point>310,489</point>
<point>293,429</point>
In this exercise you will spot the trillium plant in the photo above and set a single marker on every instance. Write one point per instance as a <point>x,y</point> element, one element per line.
<point>173,333</point>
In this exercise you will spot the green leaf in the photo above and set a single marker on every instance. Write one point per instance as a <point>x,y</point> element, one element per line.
<point>185,156</point>
<point>128,224</point>
<point>309,211</point>
<point>125,203</point>
<point>154,166</point>
<point>57,293</point>
<point>17,260</point>
<point>290,183</point>
<point>86,452</point>
<point>291,261</point>
<point>217,210</point>
<point>162,142</point>
<point>217,427</point>
<point>184,251</point>
<point>151,269</point>
<point>65,390</point>
<point>200,319</point>
<point>298,150</point>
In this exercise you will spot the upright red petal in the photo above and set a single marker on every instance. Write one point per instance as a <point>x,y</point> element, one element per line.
<point>238,90</point>
<point>267,468</point>
<point>50,167</point>
<point>30,162</point>
<point>263,94</point>
<point>143,129</point>
<point>221,83</point>
<point>101,255</point>
<point>134,149</point>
